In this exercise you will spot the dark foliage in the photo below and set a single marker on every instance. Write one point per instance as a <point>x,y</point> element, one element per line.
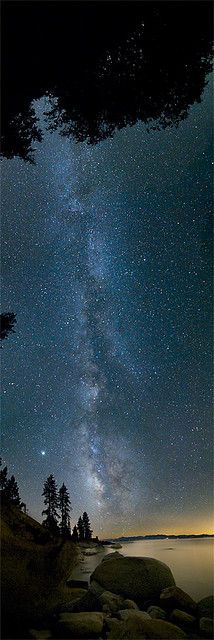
<point>105,65</point>
<point>7,320</point>
<point>52,502</point>
<point>9,491</point>
<point>3,479</point>
<point>64,508</point>
<point>87,526</point>
<point>75,536</point>
<point>80,529</point>
<point>10,494</point>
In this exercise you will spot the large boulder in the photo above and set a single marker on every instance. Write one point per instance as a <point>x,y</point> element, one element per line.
<point>206,607</point>
<point>114,554</point>
<point>156,613</point>
<point>138,579</point>
<point>183,619</point>
<point>77,584</point>
<point>130,614</point>
<point>206,628</point>
<point>80,625</point>
<point>112,601</point>
<point>175,598</point>
<point>40,634</point>
<point>88,602</point>
<point>130,604</point>
<point>139,625</point>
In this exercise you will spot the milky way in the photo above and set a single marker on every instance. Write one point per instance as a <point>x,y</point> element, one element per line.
<point>106,383</point>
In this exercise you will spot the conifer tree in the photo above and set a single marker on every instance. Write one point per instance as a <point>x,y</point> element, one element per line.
<point>86,526</point>
<point>51,500</point>
<point>80,529</point>
<point>64,506</point>
<point>7,320</point>
<point>75,536</point>
<point>3,479</point>
<point>11,492</point>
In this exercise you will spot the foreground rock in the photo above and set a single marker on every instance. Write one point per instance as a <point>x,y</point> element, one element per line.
<point>138,624</point>
<point>127,614</point>
<point>138,579</point>
<point>116,545</point>
<point>156,613</point>
<point>183,619</point>
<point>40,634</point>
<point>122,603</point>
<point>206,628</point>
<point>111,601</point>
<point>174,597</point>
<point>113,554</point>
<point>206,607</point>
<point>77,584</point>
<point>80,625</point>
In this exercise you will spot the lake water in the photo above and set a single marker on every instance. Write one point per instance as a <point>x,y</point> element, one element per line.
<point>191,562</point>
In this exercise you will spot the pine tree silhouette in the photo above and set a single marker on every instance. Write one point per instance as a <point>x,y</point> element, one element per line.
<point>7,320</point>
<point>80,529</point>
<point>86,526</point>
<point>3,478</point>
<point>11,492</point>
<point>51,500</point>
<point>64,506</point>
<point>75,536</point>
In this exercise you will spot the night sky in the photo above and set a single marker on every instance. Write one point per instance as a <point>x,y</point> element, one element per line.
<point>106,260</point>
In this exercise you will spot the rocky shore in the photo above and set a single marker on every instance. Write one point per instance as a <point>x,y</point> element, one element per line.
<point>131,598</point>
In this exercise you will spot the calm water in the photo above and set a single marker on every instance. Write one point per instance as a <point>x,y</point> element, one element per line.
<point>191,562</point>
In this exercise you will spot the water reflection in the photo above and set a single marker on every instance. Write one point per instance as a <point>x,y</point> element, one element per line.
<point>191,562</point>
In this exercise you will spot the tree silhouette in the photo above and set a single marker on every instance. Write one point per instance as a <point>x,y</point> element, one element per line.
<point>3,479</point>
<point>116,63</point>
<point>80,529</point>
<point>51,500</point>
<point>7,320</point>
<point>86,526</point>
<point>75,536</point>
<point>11,492</point>
<point>64,507</point>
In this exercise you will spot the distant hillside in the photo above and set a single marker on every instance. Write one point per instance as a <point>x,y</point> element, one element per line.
<point>34,570</point>
<point>160,536</point>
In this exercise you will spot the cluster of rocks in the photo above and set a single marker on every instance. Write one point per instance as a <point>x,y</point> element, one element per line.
<point>129,599</point>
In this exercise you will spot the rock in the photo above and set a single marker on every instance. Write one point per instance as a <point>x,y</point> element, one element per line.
<point>174,597</point>
<point>116,545</point>
<point>106,609</point>
<point>205,607</point>
<point>182,619</point>
<point>142,627</point>
<point>114,554</point>
<point>77,584</point>
<point>130,604</point>
<point>88,602</point>
<point>130,614</point>
<point>80,625</point>
<point>156,613</point>
<point>96,588</point>
<point>114,626</point>
<point>134,578</point>
<point>206,627</point>
<point>113,601</point>
<point>40,634</point>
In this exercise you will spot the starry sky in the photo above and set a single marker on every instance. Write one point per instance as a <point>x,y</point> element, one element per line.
<point>106,260</point>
